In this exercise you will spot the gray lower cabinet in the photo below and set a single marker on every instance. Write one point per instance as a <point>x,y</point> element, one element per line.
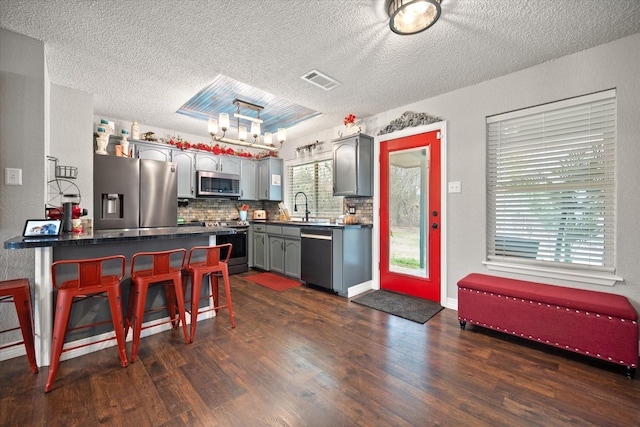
<point>292,257</point>
<point>283,250</point>
<point>259,248</point>
<point>291,251</point>
<point>351,257</point>
<point>353,166</point>
<point>276,253</point>
<point>185,163</point>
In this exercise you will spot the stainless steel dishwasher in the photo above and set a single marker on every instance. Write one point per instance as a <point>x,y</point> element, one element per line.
<point>316,256</point>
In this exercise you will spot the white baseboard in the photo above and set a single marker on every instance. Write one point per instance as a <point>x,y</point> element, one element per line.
<point>12,352</point>
<point>359,288</point>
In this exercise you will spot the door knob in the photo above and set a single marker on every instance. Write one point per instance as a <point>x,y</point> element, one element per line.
<point>434,225</point>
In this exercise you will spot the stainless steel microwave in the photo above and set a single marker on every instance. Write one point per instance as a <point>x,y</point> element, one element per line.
<point>216,184</point>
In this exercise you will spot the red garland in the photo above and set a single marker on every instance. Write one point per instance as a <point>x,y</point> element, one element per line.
<point>349,119</point>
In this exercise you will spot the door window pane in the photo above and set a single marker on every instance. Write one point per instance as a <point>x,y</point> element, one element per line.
<point>408,195</point>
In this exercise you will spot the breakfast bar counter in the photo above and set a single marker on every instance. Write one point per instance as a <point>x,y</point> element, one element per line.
<point>94,244</point>
<point>98,237</point>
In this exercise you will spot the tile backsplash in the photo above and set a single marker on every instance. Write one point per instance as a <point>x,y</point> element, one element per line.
<point>364,208</point>
<point>224,209</point>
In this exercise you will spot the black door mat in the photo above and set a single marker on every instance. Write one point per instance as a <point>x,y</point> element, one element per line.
<point>411,308</point>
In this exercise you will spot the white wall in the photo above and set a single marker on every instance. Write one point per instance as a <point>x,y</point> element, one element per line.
<point>614,65</point>
<point>24,143</point>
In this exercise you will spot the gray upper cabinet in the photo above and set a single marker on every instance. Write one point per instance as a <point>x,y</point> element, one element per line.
<point>230,164</point>
<point>270,179</point>
<point>153,152</point>
<point>216,163</point>
<point>248,179</point>
<point>185,162</point>
<point>207,162</point>
<point>353,166</point>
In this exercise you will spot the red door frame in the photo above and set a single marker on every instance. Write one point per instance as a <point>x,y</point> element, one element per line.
<point>423,288</point>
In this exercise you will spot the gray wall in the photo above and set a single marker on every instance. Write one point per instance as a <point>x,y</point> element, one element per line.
<point>23,94</point>
<point>71,137</point>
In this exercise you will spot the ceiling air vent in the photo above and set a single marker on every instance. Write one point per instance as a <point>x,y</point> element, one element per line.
<point>321,80</point>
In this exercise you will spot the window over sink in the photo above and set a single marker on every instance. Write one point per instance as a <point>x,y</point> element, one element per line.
<point>315,179</point>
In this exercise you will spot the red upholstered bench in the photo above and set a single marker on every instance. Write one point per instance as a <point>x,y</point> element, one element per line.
<point>596,324</point>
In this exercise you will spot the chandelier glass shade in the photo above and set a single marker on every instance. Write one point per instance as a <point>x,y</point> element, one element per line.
<point>223,124</point>
<point>412,16</point>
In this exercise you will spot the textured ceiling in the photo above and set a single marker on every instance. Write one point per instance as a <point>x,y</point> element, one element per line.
<point>144,59</point>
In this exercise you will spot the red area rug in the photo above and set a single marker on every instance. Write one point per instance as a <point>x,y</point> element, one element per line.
<point>273,281</point>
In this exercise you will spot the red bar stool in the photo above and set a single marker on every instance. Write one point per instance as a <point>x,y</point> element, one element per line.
<point>88,282</point>
<point>161,271</point>
<point>17,291</point>
<point>212,266</point>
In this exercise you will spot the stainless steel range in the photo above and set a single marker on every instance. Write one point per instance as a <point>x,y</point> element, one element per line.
<point>239,260</point>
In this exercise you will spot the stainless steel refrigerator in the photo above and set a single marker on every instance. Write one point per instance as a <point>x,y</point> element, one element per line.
<point>134,193</point>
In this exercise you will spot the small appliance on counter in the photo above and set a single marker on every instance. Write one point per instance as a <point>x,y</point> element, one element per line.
<point>259,214</point>
<point>69,213</point>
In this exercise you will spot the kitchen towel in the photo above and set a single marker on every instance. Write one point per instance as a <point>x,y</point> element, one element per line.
<point>411,308</point>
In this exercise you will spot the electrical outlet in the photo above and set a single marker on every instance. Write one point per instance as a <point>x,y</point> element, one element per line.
<point>12,176</point>
<point>454,187</point>
<point>352,210</point>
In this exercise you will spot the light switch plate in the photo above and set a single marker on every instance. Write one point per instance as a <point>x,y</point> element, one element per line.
<point>12,176</point>
<point>352,210</point>
<point>454,187</point>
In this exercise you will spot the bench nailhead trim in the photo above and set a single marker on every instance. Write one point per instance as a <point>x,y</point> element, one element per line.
<point>633,365</point>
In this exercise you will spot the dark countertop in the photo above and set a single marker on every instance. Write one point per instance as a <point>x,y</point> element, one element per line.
<point>308,224</point>
<point>112,236</point>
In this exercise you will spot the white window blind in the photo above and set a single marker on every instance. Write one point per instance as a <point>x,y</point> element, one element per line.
<point>315,179</point>
<point>550,183</point>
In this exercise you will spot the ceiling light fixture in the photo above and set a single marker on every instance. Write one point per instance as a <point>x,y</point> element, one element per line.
<point>412,16</point>
<point>223,124</point>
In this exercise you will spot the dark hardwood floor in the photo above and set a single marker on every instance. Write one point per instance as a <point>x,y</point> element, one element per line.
<point>303,357</point>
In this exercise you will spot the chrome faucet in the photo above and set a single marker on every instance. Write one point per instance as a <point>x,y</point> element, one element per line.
<point>306,205</point>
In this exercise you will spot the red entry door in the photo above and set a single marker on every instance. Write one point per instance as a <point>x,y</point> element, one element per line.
<point>410,215</point>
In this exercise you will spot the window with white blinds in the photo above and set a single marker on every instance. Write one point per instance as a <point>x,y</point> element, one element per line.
<point>551,184</point>
<point>315,179</point>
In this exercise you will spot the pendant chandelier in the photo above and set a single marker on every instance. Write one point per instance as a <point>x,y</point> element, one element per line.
<point>223,124</point>
<point>412,16</point>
